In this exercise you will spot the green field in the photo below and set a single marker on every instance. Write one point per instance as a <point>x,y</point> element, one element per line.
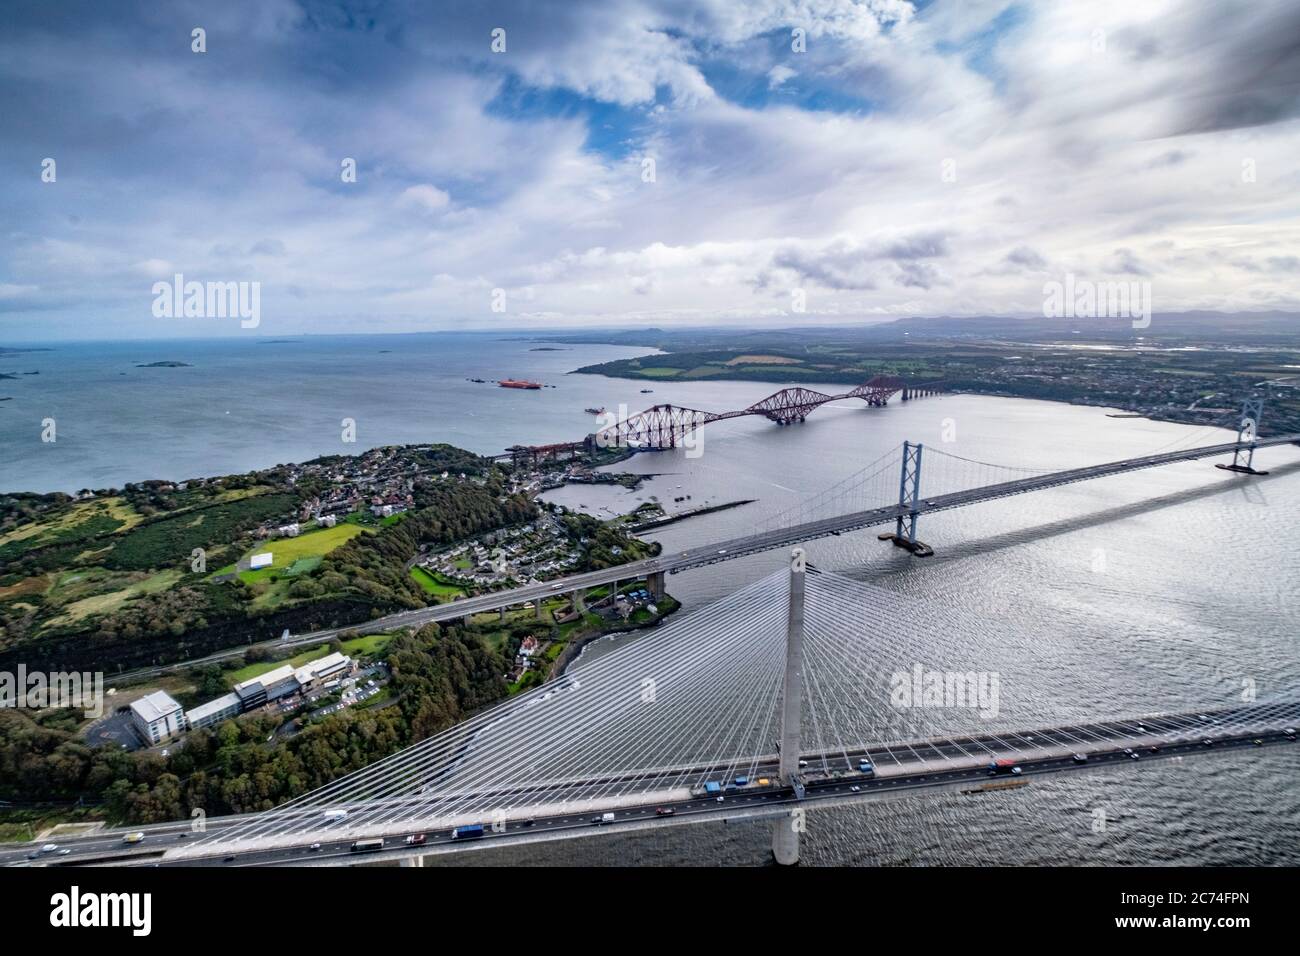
<point>436,585</point>
<point>288,552</point>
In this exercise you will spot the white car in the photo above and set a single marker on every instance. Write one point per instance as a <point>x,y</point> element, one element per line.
<point>49,848</point>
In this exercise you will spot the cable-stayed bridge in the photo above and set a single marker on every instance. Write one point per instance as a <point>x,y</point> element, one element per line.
<point>804,689</point>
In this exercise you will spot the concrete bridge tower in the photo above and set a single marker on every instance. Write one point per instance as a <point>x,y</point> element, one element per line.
<point>785,833</point>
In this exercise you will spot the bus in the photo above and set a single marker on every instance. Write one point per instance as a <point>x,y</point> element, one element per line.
<point>367,846</point>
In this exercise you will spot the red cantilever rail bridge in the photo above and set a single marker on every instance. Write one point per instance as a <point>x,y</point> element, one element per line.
<point>664,426</point>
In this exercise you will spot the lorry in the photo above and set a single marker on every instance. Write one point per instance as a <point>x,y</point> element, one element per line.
<point>468,832</point>
<point>335,814</point>
<point>1005,765</point>
<point>368,846</point>
<point>712,788</point>
<point>864,766</point>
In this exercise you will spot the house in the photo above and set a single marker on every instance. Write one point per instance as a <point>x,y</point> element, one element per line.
<point>327,521</point>
<point>529,646</point>
<point>290,530</point>
<point>156,717</point>
<point>262,560</point>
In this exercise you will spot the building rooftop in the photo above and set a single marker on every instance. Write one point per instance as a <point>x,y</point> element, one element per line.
<point>266,680</point>
<point>155,706</point>
<point>196,714</point>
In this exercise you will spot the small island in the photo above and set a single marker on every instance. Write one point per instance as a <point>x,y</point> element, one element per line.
<point>166,365</point>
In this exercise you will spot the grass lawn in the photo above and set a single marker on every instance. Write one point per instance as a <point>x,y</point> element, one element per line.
<point>436,584</point>
<point>659,372</point>
<point>286,551</point>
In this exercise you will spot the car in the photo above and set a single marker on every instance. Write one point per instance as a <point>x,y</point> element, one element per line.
<point>415,839</point>
<point>314,847</point>
<point>1259,741</point>
<point>529,822</point>
<point>855,788</point>
<point>35,854</point>
<point>1015,770</point>
<point>664,811</point>
<point>1153,749</point>
<point>1080,758</point>
<point>182,836</point>
<point>227,859</point>
<point>722,551</point>
<point>49,848</point>
<point>556,587</point>
<point>64,852</point>
<point>1134,755</point>
<point>722,798</point>
<point>1208,742</point>
<point>1289,732</point>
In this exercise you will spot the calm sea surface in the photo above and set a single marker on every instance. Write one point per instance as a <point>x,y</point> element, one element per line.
<point>1143,578</point>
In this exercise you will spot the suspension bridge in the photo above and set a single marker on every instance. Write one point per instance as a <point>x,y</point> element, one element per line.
<point>894,491</point>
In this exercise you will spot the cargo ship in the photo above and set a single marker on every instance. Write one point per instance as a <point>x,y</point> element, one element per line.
<point>595,411</point>
<point>518,383</point>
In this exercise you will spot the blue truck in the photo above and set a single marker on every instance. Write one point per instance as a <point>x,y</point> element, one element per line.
<point>467,832</point>
<point>712,788</point>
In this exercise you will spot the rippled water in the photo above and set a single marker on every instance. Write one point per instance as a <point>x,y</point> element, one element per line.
<point>1144,584</point>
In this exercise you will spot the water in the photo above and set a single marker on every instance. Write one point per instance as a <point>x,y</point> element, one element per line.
<point>1133,576</point>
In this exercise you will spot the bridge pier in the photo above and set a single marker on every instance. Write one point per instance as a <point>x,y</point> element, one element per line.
<point>579,604</point>
<point>414,861</point>
<point>654,583</point>
<point>785,832</point>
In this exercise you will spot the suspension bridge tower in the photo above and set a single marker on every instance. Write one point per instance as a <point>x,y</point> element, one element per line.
<point>1243,458</point>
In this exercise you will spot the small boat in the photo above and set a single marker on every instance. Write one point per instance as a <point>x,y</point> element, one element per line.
<point>595,411</point>
<point>647,391</point>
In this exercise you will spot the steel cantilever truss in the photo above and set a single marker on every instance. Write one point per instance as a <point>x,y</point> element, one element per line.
<point>665,426</point>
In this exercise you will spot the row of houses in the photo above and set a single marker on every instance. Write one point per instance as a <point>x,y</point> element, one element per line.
<point>157,717</point>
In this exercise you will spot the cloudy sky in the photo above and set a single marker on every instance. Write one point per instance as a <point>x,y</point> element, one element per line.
<point>641,161</point>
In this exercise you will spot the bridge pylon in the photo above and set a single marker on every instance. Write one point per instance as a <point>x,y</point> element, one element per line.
<point>1243,458</point>
<point>909,493</point>
<point>785,832</point>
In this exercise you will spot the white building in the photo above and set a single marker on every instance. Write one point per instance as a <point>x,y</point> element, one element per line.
<point>327,521</point>
<point>290,530</point>
<point>157,717</point>
<point>214,711</point>
<point>327,668</point>
<point>262,560</point>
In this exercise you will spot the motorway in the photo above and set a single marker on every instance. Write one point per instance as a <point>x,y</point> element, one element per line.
<point>722,551</point>
<point>827,778</point>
